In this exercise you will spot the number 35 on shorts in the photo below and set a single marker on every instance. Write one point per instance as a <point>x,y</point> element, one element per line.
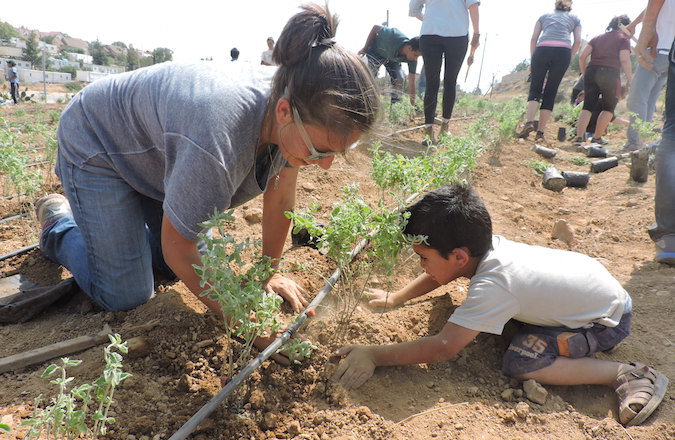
<point>535,343</point>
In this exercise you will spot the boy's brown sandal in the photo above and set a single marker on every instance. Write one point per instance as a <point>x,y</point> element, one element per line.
<point>640,389</point>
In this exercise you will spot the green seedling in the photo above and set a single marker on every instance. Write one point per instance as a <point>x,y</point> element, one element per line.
<point>248,310</point>
<point>68,414</point>
<point>296,349</point>
<point>579,160</point>
<point>539,166</point>
<point>646,130</point>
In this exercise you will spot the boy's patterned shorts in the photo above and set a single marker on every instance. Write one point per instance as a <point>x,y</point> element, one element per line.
<point>534,347</point>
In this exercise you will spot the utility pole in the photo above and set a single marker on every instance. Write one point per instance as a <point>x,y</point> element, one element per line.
<point>44,74</point>
<point>386,23</point>
<point>482,58</point>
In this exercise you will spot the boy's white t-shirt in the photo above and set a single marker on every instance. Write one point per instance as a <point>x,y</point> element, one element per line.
<point>540,286</point>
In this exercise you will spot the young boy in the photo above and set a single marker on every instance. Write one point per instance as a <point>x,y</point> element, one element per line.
<point>567,306</point>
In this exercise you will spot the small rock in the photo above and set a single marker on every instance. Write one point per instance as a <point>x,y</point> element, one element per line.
<point>269,421</point>
<point>518,394</point>
<point>170,355</point>
<point>257,399</point>
<point>507,395</point>
<point>522,410</point>
<point>430,385</point>
<point>563,232</point>
<point>459,426</point>
<point>308,186</point>
<point>535,392</point>
<point>254,215</point>
<point>294,428</point>
<point>138,347</point>
<point>472,391</point>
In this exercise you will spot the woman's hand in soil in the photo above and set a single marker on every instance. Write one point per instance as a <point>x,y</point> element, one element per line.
<point>380,298</point>
<point>357,366</point>
<point>288,290</point>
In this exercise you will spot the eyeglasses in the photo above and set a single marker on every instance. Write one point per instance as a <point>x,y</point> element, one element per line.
<point>314,154</point>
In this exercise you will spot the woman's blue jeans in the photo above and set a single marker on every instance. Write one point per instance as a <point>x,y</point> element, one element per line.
<point>111,241</point>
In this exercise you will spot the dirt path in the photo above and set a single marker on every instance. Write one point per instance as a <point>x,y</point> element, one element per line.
<point>465,398</point>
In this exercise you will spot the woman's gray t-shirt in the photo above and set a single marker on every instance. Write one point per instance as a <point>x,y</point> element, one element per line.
<point>183,134</point>
<point>557,26</point>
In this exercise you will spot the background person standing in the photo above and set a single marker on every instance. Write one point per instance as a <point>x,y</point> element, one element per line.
<point>551,51</point>
<point>649,80</point>
<point>609,53</point>
<point>444,35</point>
<point>663,230</point>
<point>266,57</point>
<point>13,77</point>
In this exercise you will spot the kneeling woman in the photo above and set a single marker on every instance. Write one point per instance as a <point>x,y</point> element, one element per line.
<point>146,156</point>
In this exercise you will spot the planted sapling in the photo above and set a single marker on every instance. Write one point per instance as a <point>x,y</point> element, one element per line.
<point>68,415</point>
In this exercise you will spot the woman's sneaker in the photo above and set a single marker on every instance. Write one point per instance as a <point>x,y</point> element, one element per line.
<point>599,141</point>
<point>50,208</point>
<point>526,130</point>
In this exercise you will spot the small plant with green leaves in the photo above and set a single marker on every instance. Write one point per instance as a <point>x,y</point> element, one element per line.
<point>297,349</point>
<point>249,311</point>
<point>579,161</point>
<point>568,114</point>
<point>646,130</point>
<point>351,221</point>
<point>539,166</point>
<point>401,112</point>
<point>69,413</point>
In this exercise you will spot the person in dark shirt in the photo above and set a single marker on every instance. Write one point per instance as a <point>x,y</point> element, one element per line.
<point>388,46</point>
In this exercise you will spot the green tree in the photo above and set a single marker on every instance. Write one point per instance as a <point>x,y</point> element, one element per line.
<point>161,54</point>
<point>48,40</point>
<point>7,31</point>
<point>133,61</point>
<point>98,53</point>
<point>32,51</point>
<point>523,65</point>
<point>119,44</point>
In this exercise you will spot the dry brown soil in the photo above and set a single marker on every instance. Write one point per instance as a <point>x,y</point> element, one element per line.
<point>457,399</point>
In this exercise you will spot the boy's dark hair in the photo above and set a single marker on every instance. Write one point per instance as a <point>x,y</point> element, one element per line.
<point>414,43</point>
<point>452,216</point>
<point>616,21</point>
<point>234,53</point>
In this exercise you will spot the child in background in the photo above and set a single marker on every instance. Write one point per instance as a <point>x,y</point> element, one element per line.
<point>566,305</point>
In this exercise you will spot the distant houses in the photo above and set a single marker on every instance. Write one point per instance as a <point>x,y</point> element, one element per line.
<point>68,58</point>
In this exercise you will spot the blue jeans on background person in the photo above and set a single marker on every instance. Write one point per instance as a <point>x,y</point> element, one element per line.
<point>112,240</point>
<point>663,231</point>
<point>394,70</point>
<point>644,92</point>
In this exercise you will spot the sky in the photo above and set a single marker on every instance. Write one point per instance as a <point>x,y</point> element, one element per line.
<point>209,29</point>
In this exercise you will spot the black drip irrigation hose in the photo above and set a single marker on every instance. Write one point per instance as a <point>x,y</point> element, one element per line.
<point>14,217</point>
<point>18,251</point>
<point>216,400</point>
